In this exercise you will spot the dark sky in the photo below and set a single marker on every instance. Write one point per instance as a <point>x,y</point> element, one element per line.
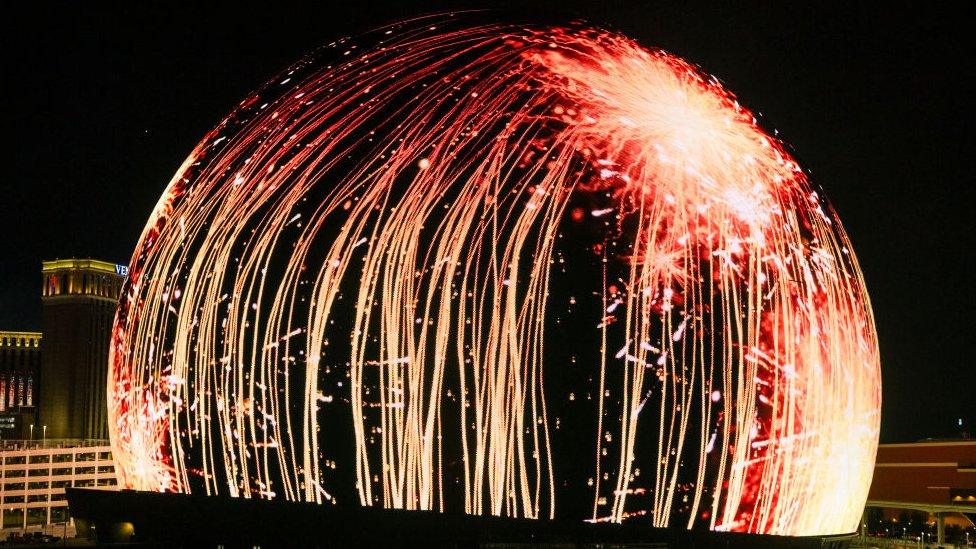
<point>102,103</point>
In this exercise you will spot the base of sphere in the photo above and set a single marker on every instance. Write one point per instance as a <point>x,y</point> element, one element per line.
<point>163,519</point>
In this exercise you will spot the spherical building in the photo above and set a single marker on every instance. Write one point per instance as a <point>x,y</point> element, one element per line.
<point>514,270</point>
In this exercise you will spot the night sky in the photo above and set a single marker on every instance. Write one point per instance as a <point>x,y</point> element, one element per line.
<point>101,104</point>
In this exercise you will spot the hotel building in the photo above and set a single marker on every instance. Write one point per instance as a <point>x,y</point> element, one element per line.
<point>53,416</point>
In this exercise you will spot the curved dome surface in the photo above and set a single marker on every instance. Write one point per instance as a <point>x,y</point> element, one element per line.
<point>501,269</point>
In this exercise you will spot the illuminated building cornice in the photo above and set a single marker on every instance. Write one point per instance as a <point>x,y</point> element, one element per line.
<point>70,278</point>
<point>20,339</point>
<point>83,264</point>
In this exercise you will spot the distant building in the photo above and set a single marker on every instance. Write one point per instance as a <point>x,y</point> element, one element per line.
<point>79,298</point>
<point>20,361</point>
<point>934,477</point>
<point>928,472</point>
<point>20,364</point>
<point>34,474</point>
<point>53,426</point>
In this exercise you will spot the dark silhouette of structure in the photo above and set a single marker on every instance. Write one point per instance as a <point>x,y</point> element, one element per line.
<point>165,519</point>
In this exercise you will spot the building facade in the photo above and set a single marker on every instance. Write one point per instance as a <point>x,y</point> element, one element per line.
<point>929,472</point>
<point>20,362</point>
<point>79,298</point>
<point>34,474</point>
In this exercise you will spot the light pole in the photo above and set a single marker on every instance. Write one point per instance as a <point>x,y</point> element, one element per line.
<point>45,435</point>
<point>32,431</point>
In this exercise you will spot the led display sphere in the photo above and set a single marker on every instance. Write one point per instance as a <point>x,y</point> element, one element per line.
<point>500,269</point>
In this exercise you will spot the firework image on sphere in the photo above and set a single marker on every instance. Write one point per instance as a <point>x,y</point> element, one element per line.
<point>500,269</point>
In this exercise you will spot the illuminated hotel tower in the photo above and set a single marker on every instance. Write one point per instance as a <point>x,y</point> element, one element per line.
<point>79,298</point>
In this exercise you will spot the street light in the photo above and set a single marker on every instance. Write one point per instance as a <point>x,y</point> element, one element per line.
<point>32,431</point>
<point>45,434</point>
